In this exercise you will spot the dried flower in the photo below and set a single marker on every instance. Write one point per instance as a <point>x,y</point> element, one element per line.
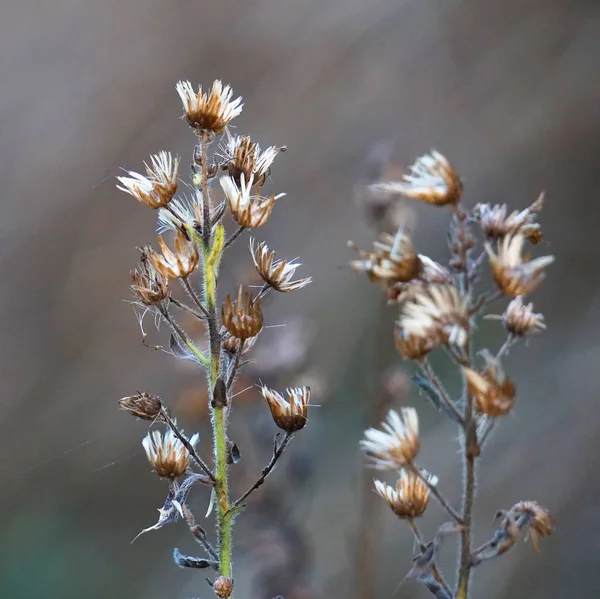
<point>142,405</point>
<point>520,319</point>
<point>231,344</point>
<point>210,111</point>
<point>223,587</point>
<point>179,264</point>
<point>437,314</point>
<point>167,454</point>
<point>290,416</point>
<point>493,391</point>
<point>393,259</point>
<point>245,319</point>
<point>514,275</point>
<point>495,224</point>
<point>413,347</point>
<point>398,443</point>
<point>410,497</point>
<point>432,180</point>
<point>433,272</point>
<point>276,273</point>
<point>246,209</point>
<point>244,157</point>
<point>539,519</point>
<point>149,286</point>
<point>182,213</point>
<point>158,187</point>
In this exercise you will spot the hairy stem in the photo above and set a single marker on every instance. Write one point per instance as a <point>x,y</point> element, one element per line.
<point>428,370</point>
<point>435,492</point>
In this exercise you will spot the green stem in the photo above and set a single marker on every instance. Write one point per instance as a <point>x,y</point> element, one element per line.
<point>212,247</point>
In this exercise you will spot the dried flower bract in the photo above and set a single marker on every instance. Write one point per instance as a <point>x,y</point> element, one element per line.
<point>493,391</point>
<point>397,444</point>
<point>158,187</point>
<point>539,520</point>
<point>290,416</point>
<point>276,273</point>
<point>410,496</point>
<point>495,223</point>
<point>432,180</point>
<point>514,275</point>
<point>244,157</point>
<point>142,405</point>
<point>223,587</point>
<point>149,286</point>
<point>210,111</point>
<point>167,454</point>
<point>244,319</point>
<point>179,264</point>
<point>246,209</point>
<point>520,319</point>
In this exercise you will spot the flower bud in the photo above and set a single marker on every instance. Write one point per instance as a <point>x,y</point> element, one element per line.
<point>142,405</point>
<point>223,587</point>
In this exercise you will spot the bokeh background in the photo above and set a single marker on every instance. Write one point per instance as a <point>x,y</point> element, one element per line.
<point>509,90</point>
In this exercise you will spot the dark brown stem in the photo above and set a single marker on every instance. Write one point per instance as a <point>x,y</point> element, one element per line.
<point>434,491</point>
<point>199,533</point>
<point>186,283</point>
<point>186,308</point>
<point>187,445</point>
<point>278,450</point>
<point>236,364</point>
<point>234,237</point>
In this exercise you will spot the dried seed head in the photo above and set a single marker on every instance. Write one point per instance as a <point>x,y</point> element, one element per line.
<point>276,273</point>
<point>495,223</point>
<point>246,209</point>
<point>520,319</point>
<point>493,391</point>
<point>158,187</point>
<point>245,319</point>
<point>179,264</point>
<point>433,272</point>
<point>243,157</point>
<point>539,519</point>
<point>231,344</point>
<point>432,180</point>
<point>223,587</point>
<point>397,444</point>
<point>437,314</point>
<point>167,454</point>
<point>290,416</point>
<point>410,497</point>
<point>148,285</point>
<point>413,347</point>
<point>393,259</point>
<point>210,111</point>
<point>142,405</point>
<point>182,213</point>
<point>514,275</point>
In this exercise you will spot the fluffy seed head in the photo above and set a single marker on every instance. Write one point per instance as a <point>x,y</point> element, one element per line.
<point>246,209</point>
<point>223,587</point>
<point>142,405</point>
<point>410,496</point>
<point>290,416</point>
<point>244,157</point>
<point>496,224</point>
<point>244,319</point>
<point>167,454</point>
<point>539,520</point>
<point>432,180</point>
<point>179,264</point>
<point>393,259</point>
<point>493,391</point>
<point>520,319</point>
<point>148,285</point>
<point>514,275</point>
<point>158,186</point>
<point>276,273</point>
<point>210,111</point>
<point>435,313</point>
<point>397,444</point>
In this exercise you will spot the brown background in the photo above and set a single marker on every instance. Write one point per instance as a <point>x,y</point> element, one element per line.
<point>509,90</point>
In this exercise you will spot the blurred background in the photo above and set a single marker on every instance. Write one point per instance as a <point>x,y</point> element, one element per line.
<point>508,90</point>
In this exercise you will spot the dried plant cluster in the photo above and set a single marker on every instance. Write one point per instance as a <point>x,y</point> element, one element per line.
<point>439,308</point>
<point>200,240</point>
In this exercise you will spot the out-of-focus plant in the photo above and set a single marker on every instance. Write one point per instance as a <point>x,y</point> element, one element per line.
<point>242,169</point>
<point>440,305</point>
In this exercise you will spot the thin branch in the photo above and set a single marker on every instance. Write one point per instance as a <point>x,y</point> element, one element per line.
<point>188,343</point>
<point>428,370</point>
<point>186,308</point>
<point>236,364</point>
<point>434,491</point>
<point>186,283</point>
<point>201,463</point>
<point>199,533</point>
<point>510,341</point>
<point>277,452</point>
<point>234,237</point>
